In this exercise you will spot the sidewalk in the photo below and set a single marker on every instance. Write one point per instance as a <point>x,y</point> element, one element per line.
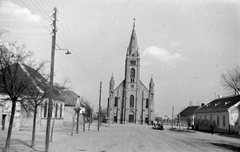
<point>184,129</point>
<point>21,140</point>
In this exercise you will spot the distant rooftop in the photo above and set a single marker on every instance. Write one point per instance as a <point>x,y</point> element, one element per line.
<point>219,105</point>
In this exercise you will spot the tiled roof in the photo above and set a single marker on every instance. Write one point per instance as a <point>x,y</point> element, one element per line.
<point>188,111</point>
<point>220,104</point>
<point>37,81</point>
<point>70,96</point>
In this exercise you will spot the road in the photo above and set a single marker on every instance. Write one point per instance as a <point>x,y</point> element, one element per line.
<point>130,138</point>
<point>124,138</point>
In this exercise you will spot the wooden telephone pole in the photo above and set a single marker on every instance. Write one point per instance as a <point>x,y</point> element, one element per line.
<point>99,110</point>
<point>49,116</point>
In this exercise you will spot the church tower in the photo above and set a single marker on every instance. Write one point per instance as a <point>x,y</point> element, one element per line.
<point>132,77</point>
<point>151,100</point>
<point>131,101</point>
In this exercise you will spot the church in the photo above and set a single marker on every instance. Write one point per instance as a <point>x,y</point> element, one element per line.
<point>131,101</point>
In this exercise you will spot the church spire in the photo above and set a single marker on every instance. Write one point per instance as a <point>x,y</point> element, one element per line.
<point>151,81</point>
<point>133,45</point>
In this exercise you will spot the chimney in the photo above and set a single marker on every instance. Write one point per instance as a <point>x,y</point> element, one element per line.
<point>202,104</point>
<point>219,96</point>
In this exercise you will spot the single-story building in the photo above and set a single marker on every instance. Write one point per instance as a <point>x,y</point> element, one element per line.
<point>186,116</point>
<point>222,113</point>
<point>37,84</point>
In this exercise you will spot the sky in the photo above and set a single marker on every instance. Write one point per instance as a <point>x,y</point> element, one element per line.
<point>185,45</point>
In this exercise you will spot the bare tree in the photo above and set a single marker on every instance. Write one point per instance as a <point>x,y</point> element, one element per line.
<point>13,80</point>
<point>37,93</point>
<point>231,80</point>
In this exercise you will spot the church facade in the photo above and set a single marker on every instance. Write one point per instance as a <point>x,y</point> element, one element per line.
<point>131,101</point>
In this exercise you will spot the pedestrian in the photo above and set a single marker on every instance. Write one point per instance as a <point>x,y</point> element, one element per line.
<point>212,128</point>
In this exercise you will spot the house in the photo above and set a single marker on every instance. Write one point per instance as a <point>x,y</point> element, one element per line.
<point>186,116</point>
<point>23,119</point>
<point>70,102</point>
<point>222,113</point>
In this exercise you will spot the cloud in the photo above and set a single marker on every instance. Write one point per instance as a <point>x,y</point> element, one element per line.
<point>175,44</point>
<point>14,12</point>
<point>161,55</point>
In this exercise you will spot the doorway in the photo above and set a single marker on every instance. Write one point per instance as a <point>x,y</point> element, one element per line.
<point>3,121</point>
<point>131,118</point>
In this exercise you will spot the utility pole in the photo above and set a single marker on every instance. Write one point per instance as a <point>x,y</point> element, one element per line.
<point>108,111</point>
<point>172,116</point>
<point>99,110</point>
<point>51,80</point>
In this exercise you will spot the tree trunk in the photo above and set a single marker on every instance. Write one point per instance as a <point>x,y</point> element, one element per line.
<point>77,126</point>
<point>83,123</point>
<point>8,140</point>
<point>34,126</point>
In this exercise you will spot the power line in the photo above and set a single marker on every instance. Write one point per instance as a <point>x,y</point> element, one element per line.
<point>75,58</point>
<point>34,15</point>
<point>70,46</point>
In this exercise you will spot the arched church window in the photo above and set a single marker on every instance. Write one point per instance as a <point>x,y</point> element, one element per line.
<point>147,103</point>
<point>131,101</point>
<point>132,73</point>
<point>116,102</point>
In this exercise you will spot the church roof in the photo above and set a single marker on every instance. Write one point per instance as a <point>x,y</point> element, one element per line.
<point>133,45</point>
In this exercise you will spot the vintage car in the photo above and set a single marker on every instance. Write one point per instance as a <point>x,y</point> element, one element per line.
<point>157,125</point>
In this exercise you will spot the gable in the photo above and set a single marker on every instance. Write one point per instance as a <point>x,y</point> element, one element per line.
<point>120,86</point>
<point>143,86</point>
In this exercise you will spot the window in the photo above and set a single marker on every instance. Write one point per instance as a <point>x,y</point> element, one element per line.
<point>211,118</point>
<point>132,73</point>
<point>133,62</point>
<point>56,110</point>
<point>147,102</point>
<point>205,119</point>
<point>116,102</point>
<point>45,110</point>
<point>60,111</point>
<point>131,101</point>
<point>217,120</point>
<point>223,121</point>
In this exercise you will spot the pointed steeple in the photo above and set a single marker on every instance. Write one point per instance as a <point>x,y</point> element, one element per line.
<point>151,85</point>
<point>112,79</point>
<point>111,86</point>
<point>151,81</point>
<point>133,45</point>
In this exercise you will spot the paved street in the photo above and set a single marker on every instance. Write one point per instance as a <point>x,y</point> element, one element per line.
<point>118,138</point>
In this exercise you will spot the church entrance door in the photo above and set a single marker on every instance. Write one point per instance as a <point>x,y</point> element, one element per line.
<point>131,118</point>
<point>146,119</point>
<point>115,119</point>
